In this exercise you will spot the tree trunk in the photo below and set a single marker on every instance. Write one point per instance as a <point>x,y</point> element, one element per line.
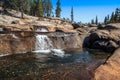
<point>21,8</point>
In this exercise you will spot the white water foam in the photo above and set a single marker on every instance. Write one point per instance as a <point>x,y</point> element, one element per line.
<point>56,52</point>
<point>42,51</point>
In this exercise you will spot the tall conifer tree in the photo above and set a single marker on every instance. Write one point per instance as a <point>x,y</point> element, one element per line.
<point>112,20</point>
<point>117,15</point>
<point>58,9</point>
<point>72,15</point>
<point>96,20</point>
<point>41,9</point>
<point>92,21</point>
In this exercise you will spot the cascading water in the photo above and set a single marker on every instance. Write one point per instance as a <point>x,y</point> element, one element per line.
<point>43,43</point>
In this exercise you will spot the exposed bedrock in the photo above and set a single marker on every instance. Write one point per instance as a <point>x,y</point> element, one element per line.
<point>111,69</point>
<point>66,41</point>
<point>22,43</point>
<point>13,43</point>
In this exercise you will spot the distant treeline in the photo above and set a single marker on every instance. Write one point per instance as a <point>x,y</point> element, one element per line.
<point>113,18</point>
<point>40,8</point>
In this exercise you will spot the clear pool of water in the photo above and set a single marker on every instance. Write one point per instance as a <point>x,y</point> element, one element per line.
<point>74,65</point>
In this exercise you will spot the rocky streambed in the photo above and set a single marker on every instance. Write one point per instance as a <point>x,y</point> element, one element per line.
<point>48,63</point>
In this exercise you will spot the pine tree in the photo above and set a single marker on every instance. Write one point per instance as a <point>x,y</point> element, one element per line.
<point>26,6</point>
<point>47,5</point>
<point>112,20</point>
<point>58,9</point>
<point>5,4</point>
<point>36,8</point>
<point>92,21</point>
<point>19,5</point>
<point>72,15</point>
<point>32,7</point>
<point>49,8</point>
<point>117,15</point>
<point>108,19</point>
<point>41,10</point>
<point>44,8</point>
<point>105,20</point>
<point>37,13</point>
<point>96,20</point>
<point>15,4</point>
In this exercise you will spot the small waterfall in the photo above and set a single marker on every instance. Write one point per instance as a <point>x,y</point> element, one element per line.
<point>43,43</point>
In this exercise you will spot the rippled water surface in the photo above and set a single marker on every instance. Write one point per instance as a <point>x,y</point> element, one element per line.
<point>75,65</point>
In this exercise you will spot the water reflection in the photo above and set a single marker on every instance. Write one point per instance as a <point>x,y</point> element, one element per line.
<point>75,65</point>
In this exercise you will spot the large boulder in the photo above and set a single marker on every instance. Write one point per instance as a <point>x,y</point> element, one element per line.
<point>107,40</point>
<point>111,69</point>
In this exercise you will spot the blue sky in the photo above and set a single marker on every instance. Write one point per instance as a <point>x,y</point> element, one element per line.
<point>85,10</point>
